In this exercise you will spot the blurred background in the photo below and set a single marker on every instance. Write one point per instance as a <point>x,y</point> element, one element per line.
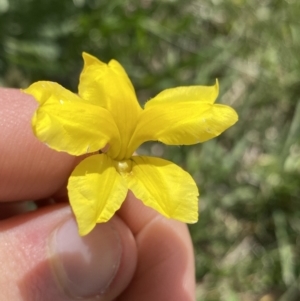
<point>247,242</point>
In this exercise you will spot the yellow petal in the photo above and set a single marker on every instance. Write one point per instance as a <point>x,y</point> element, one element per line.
<point>189,119</point>
<point>65,123</point>
<point>108,85</point>
<point>96,191</point>
<point>165,187</point>
<point>207,94</point>
<point>45,90</point>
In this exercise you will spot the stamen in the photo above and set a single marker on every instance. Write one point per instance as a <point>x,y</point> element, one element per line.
<point>124,167</point>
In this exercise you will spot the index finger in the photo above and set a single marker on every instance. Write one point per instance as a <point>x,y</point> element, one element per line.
<point>29,170</point>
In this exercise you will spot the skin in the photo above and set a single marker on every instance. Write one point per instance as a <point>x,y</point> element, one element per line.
<point>157,261</point>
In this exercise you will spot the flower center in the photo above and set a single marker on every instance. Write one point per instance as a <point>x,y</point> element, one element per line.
<point>124,167</point>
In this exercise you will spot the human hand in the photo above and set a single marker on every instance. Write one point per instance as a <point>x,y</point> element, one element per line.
<point>137,256</point>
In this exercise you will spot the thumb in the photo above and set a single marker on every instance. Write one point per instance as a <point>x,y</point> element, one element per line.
<point>45,259</point>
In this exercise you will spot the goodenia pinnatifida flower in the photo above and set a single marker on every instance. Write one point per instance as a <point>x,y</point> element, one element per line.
<point>105,112</point>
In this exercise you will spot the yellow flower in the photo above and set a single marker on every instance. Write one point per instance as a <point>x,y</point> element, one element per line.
<point>106,112</point>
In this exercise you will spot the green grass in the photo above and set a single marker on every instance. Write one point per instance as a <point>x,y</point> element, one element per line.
<point>247,242</point>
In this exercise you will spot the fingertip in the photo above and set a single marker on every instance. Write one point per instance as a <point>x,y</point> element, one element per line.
<point>48,260</point>
<point>166,264</point>
<point>165,253</point>
<point>98,265</point>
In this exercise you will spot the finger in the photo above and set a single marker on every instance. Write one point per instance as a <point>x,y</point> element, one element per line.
<point>45,259</point>
<point>28,168</point>
<point>165,268</point>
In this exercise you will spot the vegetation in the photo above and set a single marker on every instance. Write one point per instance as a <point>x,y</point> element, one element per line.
<point>247,240</point>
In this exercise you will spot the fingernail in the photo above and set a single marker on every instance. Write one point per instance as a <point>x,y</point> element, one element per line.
<point>85,266</point>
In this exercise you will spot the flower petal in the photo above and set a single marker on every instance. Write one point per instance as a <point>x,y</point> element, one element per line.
<point>43,90</point>
<point>66,123</point>
<point>108,85</point>
<point>96,191</point>
<point>181,116</point>
<point>165,187</point>
<point>207,94</point>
